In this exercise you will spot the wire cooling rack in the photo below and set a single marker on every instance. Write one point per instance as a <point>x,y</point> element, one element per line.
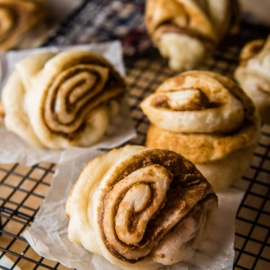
<point>22,189</point>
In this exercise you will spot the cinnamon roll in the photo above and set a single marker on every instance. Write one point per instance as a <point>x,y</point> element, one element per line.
<point>61,100</point>
<point>23,23</point>
<point>185,30</point>
<point>208,119</point>
<point>140,208</point>
<point>253,74</point>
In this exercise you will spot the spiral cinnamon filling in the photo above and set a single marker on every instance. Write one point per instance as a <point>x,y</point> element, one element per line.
<point>74,94</point>
<point>195,102</point>
<point>146,199</point>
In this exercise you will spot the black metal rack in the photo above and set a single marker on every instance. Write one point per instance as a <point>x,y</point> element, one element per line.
<point>22,189</point>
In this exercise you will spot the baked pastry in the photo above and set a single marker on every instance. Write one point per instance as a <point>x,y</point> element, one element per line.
<point>140,208</point>
<point>208,119</point>
<point>23,23</point>
<point>185,30</point>
<point>253,74</point>
<point>60,100</point>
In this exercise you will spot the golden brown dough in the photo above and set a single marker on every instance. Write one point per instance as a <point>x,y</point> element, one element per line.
<point>23,23</point>
<point>185,30</point>
<point>59,100</point>
<point>253,74</point>
<point>140,208</point>
<point>208,119</point>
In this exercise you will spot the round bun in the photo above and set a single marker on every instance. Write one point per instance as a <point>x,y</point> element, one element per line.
<point>140,208</point>
<point>59,100</point>
<point>207,118</point>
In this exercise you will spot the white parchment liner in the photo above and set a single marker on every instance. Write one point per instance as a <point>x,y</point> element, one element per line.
<point>48,234</point>
<point>15,149</point>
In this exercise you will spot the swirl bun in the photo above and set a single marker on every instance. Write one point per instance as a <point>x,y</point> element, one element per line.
<point>195,102</point>
<point>253,74</point>
<point>61,100</point>
<point>22,23</point>
<point>140,208</point>
<point>208,119</point>
<point>185,30</point>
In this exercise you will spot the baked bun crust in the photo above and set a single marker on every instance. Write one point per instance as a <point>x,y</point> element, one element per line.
<point>253,74</point>
<point>221,159</point>
<point>140,208</point>
<point>61,100</point>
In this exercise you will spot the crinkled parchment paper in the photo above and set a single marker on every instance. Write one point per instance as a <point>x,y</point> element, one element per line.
<point>15,149</point>
<point>48,234</point>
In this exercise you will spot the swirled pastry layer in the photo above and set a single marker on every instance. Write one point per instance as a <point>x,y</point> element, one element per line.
<point>196,102</point>
<point>184,30</point>
<point>206,115</point>
<point>140,208</point>
<point>18,18</point>
<point>253,74</point>
<point>61,100</point>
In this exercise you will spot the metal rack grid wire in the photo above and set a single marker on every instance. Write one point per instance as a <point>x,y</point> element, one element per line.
<point>22,189</point>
